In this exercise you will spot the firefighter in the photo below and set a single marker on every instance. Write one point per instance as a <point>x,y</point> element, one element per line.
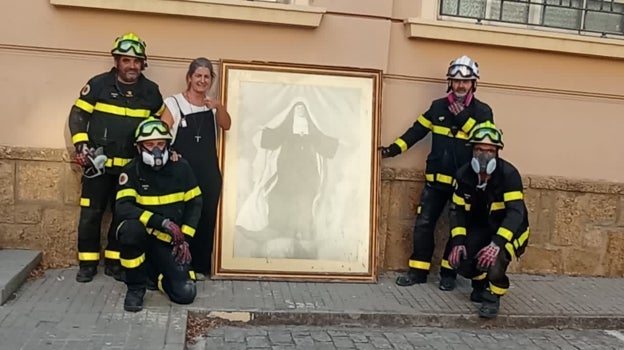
<point>102,124</point>
<point>159,205</point>
<point>450,120</point>
<point>489,220</point>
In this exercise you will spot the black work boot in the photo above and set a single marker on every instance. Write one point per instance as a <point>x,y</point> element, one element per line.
<point>412,277</point>
<point>489,305</point>
<point>115,270</point>
<point>478,288</point>
<point>151,284</point>
<point>447,283</point>
<point>134,299</point>
<point>85,274</point>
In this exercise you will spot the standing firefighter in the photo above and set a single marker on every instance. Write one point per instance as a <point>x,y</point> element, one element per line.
<point>158,204</point>
<point>102,123</point>
<point>489,221</point>
<point>450,120</point>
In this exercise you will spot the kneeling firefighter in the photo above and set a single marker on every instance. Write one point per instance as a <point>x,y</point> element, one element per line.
<point>158,204</point>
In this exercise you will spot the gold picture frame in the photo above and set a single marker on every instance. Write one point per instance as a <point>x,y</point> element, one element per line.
<point>300,173</point>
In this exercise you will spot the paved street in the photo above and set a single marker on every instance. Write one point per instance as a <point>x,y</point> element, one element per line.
<point>282,338</point>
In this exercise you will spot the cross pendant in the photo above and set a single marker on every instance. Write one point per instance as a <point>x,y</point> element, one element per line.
<point>197,138</point>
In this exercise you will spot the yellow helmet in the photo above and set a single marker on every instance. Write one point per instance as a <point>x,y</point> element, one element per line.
<point>129,44</point>
<point>152,129</point>
<point>487,133</point>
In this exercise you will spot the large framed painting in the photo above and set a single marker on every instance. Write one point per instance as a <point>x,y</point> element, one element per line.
<point>300,173</point>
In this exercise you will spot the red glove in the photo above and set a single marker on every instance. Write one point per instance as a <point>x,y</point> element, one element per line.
<point>487,256</point>
<point>458,253</point>
<point>177,237</point>
<point>456,107</point>
<point>82,154</point>
<point>181,253</point>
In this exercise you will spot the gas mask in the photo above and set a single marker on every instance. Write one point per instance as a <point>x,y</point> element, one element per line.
<point>484,163</point>
<point>156,158</point>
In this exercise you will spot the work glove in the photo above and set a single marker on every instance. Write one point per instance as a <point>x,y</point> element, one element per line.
<point>181,253</point>
<point>82,154</point>
<point>177,237</point>
<point>487,256</point>
<point>456,107</point>
<point>390,151</point>
<point>458,253</point>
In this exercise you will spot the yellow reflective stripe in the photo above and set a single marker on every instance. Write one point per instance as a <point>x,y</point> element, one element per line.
<point>520,241</point>
<point>85,202</point>
<point>461,135</point>
<point>117,161</point>
<point>445,264</point>
<point>402,144</point>
<point>497,290</point>
<point>481,277</point>
<point>126,192</point>
<point>505,233</point>
<point>458,200</point>
<point>145,216</point>
<point>160,286</point>
<point>80,137</point>
<point>84,105</point>
<point>512,196</point>
<point>422,265</point>
<point>192,193</point>
<point>497,206</point>
<point>458,231</point>
<point>419,209</point>
<point>165,237</point>
<point>442,130</point>
<point>188,230</point>
<point>424,122</point>
<point>160,200</point>
<point>111,254</point>
<point>132,263</point>
<point>88,256</point>
<point>510,249</point>
<point>160,111</point>
<point>445,179</point>
<point>468,125</point>
<point>467,207</point>
<point>192,275</point>
<point>121,111</point>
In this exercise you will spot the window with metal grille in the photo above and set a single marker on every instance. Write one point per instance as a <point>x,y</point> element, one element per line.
<point>605,17</point>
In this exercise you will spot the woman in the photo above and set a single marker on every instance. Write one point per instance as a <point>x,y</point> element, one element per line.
<point>194,119</point>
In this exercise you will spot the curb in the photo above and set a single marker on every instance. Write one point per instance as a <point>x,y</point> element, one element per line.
<point>267,318</point>
<point>13,275</point>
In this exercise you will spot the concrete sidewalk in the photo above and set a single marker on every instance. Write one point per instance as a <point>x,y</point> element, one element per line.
<point>55,312</point>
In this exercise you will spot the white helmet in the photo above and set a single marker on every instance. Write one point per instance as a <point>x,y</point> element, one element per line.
<point>463,68</point>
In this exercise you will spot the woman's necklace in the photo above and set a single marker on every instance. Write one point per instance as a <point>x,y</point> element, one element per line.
<point>200,121</point>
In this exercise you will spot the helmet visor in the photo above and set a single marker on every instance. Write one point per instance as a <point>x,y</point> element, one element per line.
<point>481,134</point>
<point>156,126</point>
<point>125,46</point>
<point>463,71</point>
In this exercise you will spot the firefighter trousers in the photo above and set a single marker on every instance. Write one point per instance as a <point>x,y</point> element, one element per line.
<point>97,195</point>
<point>495,278</point>
<point>432,202</point>
<point>143,256</point>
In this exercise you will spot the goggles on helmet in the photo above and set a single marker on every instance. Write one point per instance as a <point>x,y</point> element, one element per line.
<point>463,71</point>
<point>125,46</point>
<point>492,134</point>
<point>152,130</point>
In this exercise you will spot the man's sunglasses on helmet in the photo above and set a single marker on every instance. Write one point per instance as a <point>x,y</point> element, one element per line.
<point>480,134</point>
<point>127,45</point>
<point>462,70</point>
<point>148,129</point>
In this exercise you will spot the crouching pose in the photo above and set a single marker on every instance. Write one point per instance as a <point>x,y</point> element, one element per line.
<point>158,204</point>
<point>489,221</point>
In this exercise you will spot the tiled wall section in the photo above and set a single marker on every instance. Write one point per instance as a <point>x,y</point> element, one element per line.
<point>577,226</point>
